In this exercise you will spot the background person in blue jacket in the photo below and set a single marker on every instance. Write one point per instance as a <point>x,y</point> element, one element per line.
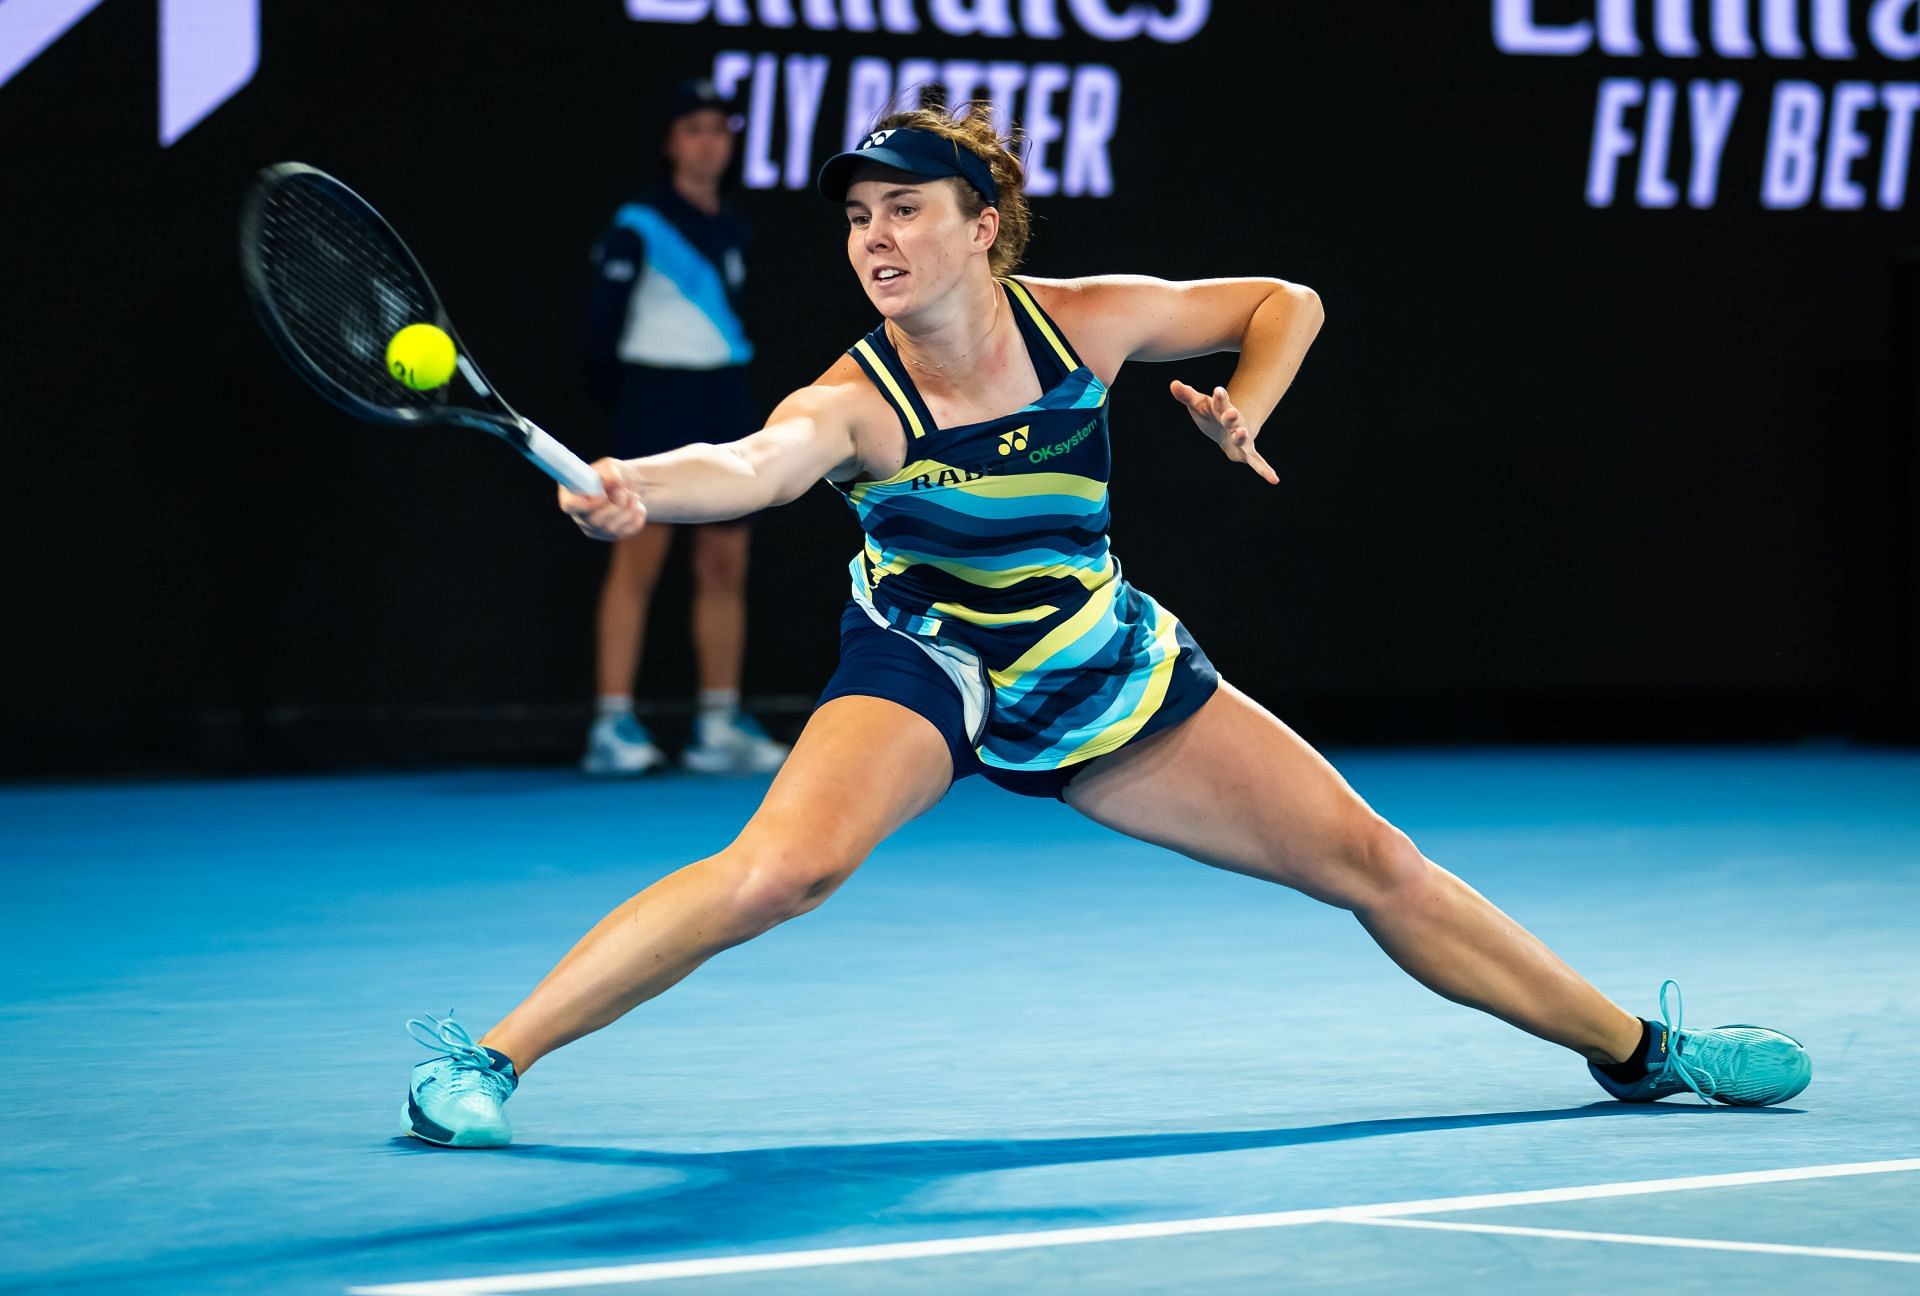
<point>668,357</point>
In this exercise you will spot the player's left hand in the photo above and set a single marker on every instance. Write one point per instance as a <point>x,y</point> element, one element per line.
<point>1221,419</point>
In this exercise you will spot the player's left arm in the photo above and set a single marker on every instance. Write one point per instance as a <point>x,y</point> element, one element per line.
<point>1116,318</point>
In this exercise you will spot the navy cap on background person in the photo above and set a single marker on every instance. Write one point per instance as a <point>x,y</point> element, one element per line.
<point>695,94</point>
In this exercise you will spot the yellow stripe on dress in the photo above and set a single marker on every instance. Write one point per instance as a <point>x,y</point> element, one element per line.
<point>1112,736</point>
<point>1062,636</point>
<point>900,400</point>
<point>1067,357</point>
<point>1011,486</point>
<point>1093,579</point>
<point>990,485</point>
<point>960,612</point>
<point>897,563</point>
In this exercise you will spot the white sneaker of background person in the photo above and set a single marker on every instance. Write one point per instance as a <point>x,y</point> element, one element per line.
<point>618,743</point>
<point>725,741</point>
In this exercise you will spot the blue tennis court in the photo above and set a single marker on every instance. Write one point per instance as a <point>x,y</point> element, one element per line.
<point>1015,1053</point>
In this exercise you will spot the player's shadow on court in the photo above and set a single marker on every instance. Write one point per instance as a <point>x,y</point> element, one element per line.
<point>767,1194</point>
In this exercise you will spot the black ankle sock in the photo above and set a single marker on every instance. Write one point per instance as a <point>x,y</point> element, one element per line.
<point>1635,1067</point>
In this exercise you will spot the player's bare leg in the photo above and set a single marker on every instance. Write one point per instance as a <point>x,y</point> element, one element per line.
<point>807,837</point>
<point>1236,788</point>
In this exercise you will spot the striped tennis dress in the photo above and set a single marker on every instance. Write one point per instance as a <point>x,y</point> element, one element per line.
<point>989,548</point>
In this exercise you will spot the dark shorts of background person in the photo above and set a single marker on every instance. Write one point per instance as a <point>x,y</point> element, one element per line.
<point>882,663</point>
<point>656,410</point>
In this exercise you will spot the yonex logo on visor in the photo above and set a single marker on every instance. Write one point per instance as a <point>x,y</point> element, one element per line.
<point>917,152</point>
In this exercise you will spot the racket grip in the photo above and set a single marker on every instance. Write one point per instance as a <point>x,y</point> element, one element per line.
<point>560,463</point>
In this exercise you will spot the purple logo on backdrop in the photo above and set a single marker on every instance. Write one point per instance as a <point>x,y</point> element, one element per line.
<point>1068,113</point>
<point>1847,147</point>
<point>209,49</point>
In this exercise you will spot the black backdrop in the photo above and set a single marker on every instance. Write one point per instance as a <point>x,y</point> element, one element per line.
<point>1551,470</point>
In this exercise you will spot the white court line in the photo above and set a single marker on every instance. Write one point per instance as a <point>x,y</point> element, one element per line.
<point>1646,1239</point>
<point>660,1270</point>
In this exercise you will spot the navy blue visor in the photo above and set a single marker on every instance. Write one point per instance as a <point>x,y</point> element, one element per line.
<point>917,152</point>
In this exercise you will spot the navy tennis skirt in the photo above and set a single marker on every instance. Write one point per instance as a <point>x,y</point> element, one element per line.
<point>882,663</point>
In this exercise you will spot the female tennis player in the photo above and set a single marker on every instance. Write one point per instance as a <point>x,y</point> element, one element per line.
<point>990,632</point>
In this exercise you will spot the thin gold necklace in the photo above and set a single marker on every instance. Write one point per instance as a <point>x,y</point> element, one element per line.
<point>992,328</point>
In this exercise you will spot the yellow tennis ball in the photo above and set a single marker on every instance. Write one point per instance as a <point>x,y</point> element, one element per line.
<point>421,356</point>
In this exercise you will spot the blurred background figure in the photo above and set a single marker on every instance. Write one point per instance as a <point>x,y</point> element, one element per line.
<point>667,358</point>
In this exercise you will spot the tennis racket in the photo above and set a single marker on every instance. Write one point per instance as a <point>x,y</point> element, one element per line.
<point>332,283</point>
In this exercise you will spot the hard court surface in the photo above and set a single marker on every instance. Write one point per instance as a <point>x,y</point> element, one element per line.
<point>1015,1053</point>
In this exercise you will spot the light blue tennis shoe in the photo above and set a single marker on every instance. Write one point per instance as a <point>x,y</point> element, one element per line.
<point>1746,1066</point>
<point>458,1099</point>
<point>619,745</point>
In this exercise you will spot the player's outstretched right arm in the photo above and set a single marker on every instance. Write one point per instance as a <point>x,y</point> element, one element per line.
<point>809,436</point>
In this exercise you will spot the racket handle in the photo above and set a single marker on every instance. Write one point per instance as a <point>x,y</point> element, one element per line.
<point>560,463</point>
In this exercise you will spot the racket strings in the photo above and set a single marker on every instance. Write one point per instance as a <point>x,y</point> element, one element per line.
<point>341,292</point>
<point>332,276</point>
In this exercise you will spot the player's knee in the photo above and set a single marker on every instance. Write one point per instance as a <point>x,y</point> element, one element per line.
<point>775,882</point>
<point>1382,863</point>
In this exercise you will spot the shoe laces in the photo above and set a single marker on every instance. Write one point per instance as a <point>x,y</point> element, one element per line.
<point>1676,1067</point>
<point>471,1067</point>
